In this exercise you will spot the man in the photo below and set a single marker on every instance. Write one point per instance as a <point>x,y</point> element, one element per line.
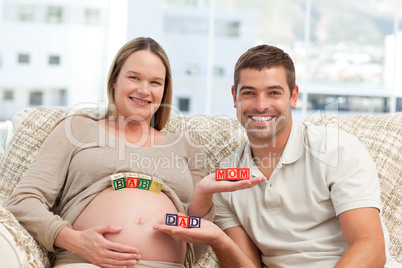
<point>320,205</point>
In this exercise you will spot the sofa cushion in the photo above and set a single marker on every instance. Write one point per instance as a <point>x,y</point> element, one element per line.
<point>220,135</point>
<point>382,136</point>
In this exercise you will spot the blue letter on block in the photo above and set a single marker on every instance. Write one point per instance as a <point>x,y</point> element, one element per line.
<point>171,219</point>
<point>194,222</point>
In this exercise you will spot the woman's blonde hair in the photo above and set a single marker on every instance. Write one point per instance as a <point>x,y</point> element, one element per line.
<point>161,116</point>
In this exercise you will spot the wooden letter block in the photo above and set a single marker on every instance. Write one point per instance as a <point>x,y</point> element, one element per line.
<point>243,174</point>
<point>194,222</point>
<point>132,180</point>
<point>232,173</point>
<point>171,219</point>
<point>144,182</point>
<point>182,221</point>
<point>156,185</point>
<point>118,181</point>
<point>221,174</point>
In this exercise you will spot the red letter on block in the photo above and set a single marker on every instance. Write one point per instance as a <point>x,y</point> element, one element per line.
<point>244,174</point>
<point>232,173</point>
<point>132,180</point>
<point>182,221</point>
<point>220,174</point>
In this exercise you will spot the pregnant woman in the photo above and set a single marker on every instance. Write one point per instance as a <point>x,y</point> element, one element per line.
<point>95,225</point>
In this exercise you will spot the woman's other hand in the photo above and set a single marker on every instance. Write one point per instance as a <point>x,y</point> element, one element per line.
<point>201,202</point>
<point>92,246</point>
<point>208,185</point>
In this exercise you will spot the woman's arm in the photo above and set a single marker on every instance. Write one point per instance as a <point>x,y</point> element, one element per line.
<point>201,202</point>
<point>38,189</point>
<point>229,252</point>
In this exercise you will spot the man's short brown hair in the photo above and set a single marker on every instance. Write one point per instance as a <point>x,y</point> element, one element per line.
<point>265,56</point>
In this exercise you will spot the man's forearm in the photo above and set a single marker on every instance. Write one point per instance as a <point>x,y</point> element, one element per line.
<point>363,253</point>
<point>230,255</point>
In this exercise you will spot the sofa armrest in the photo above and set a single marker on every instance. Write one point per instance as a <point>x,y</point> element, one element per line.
<point>15,240</point>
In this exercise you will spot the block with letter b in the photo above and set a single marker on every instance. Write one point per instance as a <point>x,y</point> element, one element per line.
<point>118,181</point>
<point>132,180</point>
<point>144,182</point>
<point>156,185</point>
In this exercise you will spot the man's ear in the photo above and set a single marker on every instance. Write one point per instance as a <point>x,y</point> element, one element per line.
<point>234,97</point>
<point>293,99</point>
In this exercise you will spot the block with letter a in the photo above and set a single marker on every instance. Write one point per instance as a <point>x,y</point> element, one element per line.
<point>132,180</point>
<point>182,221</point>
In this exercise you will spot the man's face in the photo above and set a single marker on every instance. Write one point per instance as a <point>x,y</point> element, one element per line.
<point>264,104</point>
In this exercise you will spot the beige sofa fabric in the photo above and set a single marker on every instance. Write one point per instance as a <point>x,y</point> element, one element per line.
<point>219,136</point>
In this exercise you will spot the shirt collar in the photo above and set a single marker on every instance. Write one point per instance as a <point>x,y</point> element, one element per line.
<point>292,152</point>
<point>294,146</point>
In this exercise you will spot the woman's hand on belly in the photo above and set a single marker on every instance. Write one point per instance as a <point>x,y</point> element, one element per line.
<point>92,246</point>
<point>136,211</point>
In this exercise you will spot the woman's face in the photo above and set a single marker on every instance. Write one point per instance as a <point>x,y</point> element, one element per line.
<point>139,87</point>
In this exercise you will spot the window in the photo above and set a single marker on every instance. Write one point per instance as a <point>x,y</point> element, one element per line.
<point>92,16</point>
<point>232,28</point>
<point>54,14</point>
<point>23,58</point>
<point>219,71</point>
<point>184,104</point>
<point>54,60</point>
<point>8,95</point>
<point>348,103</point>
<point>62,97</point>
<point>35,98</point>
<point>192,70</point>
<point>25,12</point>
<point>185,25</point>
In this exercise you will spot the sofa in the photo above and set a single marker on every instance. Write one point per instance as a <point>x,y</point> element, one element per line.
<point>219,136</point>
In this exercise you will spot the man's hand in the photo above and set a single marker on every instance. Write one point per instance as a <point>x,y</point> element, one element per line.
<point>92,246</point>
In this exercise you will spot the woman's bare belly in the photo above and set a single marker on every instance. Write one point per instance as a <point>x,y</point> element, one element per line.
<point>136,210</point>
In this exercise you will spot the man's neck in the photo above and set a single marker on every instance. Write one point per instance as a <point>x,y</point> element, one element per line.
<point>266,154</point>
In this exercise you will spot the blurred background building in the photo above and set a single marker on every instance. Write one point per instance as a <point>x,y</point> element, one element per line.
<point>348,54</point>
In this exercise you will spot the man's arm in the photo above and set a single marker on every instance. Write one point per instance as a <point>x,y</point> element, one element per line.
<point>201,201</point>
<point>363,232</point>
<point>243,241</point>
